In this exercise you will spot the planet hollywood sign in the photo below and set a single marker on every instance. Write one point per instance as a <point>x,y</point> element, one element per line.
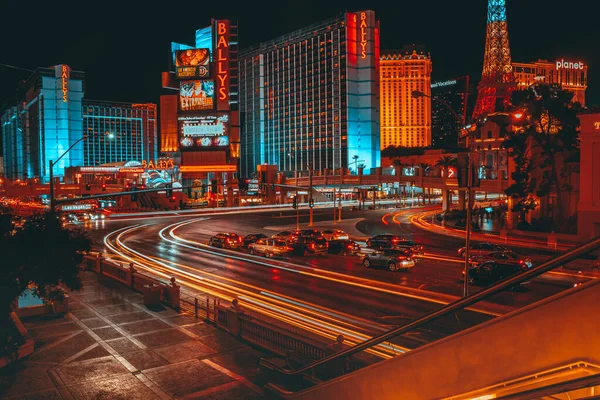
<point>562,64</point>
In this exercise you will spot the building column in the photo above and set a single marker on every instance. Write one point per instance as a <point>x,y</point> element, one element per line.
<point>462,200</point>
<point>445,199</point>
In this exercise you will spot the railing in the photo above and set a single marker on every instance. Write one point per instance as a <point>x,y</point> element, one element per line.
<point>461,304</point>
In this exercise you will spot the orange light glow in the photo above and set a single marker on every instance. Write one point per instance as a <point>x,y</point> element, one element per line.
<point>223,65</point>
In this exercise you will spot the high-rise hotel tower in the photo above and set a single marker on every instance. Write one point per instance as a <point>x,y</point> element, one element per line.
<point>310,99</point>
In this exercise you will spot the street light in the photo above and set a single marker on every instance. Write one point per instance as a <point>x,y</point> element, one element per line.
<point>52,199</point>
<point>356,160</point>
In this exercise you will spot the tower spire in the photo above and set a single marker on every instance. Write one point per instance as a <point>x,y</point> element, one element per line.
<point>497,78</point>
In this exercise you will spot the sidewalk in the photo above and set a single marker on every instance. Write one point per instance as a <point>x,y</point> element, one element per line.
<point>112,346</point>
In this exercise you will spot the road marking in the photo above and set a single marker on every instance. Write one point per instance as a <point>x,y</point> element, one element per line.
<point>235,376</point>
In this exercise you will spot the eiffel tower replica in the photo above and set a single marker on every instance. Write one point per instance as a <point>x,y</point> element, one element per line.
<point>497,80</point>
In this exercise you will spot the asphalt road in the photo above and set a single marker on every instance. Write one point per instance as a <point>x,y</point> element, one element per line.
<point>334,289</point>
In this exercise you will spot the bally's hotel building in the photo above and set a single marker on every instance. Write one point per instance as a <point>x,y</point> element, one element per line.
<point>310,99</point>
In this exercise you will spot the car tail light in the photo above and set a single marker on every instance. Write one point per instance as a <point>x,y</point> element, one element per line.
<point>289,248</point>
<point>312,246</point>
<point>228,240</point>
<point>395,240</point>
<point>350,246</point>
<point>326,245</point>
<point>239,239</point>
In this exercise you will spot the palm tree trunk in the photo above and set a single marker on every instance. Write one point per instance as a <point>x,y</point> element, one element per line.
<point>558,217</point>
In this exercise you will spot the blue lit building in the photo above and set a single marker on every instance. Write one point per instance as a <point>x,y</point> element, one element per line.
<point>311,98</point>
<point>42,123</point>
<point>49,114</point>
<point>117,132</point>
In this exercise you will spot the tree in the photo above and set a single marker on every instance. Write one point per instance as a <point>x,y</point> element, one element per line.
<point>42,256</point>
<point>546,136</point>
<point>425,167</point>
<point>445,162</point>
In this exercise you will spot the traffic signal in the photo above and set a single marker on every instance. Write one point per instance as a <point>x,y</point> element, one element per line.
<point>169,190</point>
<point>295,202</point>
<point>104,187</point>
<point>172,199</point>
<point>273,187</point>
<point>311,202</point>
<point>133,195</point>
<point>88,187</point>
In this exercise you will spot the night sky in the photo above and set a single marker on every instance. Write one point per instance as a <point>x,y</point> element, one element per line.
<point>124,46</point>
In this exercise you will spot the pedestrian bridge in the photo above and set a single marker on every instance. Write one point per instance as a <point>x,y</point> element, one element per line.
<point>549,348</point>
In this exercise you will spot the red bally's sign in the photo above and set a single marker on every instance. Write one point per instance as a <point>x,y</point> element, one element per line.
<point>363,35</point>
<point>222,65</point>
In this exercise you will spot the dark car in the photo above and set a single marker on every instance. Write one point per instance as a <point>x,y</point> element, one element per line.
<point>343,247</point>
<point>379,241</point>
<point>417,249</point>
<point>393,259</point>
<point>226,240</point>
<point>306,245</point>
<point>308,232</point>
<point>501,256</point>
<point>490,272</point>
<point>481,249</point>
<point>252,238</point>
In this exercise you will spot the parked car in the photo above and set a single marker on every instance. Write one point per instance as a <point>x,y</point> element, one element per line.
<point>501,256</point>
<point>379,241</point>
<point>252,238</point>
<point>335,234</point>
<point>585,264</point>
<point>393,259</point>
<point>417,249</point>
<point>343,247</point>
<point>306,245</point>
<point>269,247</point>
<point>478,249</point>
<point>315,233</point>
<point>491,272</point>
<point>226,240</point>
<point>284,235</point>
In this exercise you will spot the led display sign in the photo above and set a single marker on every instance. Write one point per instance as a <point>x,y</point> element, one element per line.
<point>562,64</point>
<point>222,60</point>
<point>192,63</point>
<point>196,95</point>
<point>203,131</point>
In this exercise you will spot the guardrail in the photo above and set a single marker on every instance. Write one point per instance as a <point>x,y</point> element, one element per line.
<point>287,373</point>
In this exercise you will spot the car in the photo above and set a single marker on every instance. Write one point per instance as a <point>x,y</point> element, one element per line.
<point>501,256</point>
<point>393,259</point>
<point>269,247</point>
<point>343,247</point>
<point>335,234</point>
<point>478,249</point>
<point>491,272</point>
<point>585,264</point>
<point>417,249</point>
<point>226,240</point>
<point>252,238</point>
<point>380,241</point>
<point>314,233</point>
<point>284,235</point>
<point>306,245</point>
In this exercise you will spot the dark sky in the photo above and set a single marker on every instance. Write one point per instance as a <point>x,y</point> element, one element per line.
<point>123,46</point>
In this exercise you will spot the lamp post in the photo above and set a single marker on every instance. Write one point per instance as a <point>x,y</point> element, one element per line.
<point>52,163</point>
<point>356,160</point>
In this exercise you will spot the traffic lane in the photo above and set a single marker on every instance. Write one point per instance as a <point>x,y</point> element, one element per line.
<point>363,302</point>
<point>428,275</point>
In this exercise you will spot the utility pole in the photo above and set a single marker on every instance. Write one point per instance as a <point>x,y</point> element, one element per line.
<point>468,227</point>
<point>334,206</point>
<point>297,212</point>
<point>310,194</point>
<point>52,200</point>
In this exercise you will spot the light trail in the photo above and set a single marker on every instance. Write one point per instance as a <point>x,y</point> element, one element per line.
<point>312,324</point>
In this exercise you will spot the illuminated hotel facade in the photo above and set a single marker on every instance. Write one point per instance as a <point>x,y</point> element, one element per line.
<point>117,132</point>
<point>49,114</point>
<point>405,120</point>
<point>445,125</point>
<point>310,99</point>
<point>570,75</point>
<point>42,122</point>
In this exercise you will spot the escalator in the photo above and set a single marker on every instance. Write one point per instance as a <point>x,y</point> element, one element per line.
<point>549,349</point>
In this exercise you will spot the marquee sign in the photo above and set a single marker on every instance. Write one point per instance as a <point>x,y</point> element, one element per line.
<point>222,60</point>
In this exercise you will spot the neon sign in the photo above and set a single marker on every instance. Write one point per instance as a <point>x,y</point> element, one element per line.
<point>223,65</point>
<point>597,126</point>
<point>160,164</point>
<point>363,35</point>
<point>445,83</point>
<point>65,82</point>
<point>569,65</point>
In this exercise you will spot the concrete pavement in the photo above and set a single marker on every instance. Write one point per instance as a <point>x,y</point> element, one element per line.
<point>111,346</point>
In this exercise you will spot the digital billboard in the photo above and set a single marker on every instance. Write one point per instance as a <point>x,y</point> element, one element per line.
<point>196,95</point>
<point>203,131</point>
<point>192,63</point>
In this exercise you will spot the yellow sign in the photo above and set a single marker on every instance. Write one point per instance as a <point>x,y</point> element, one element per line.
<point>160,164</point>
<point>65,82</point>
<point>597,126</point>
<point>363,35</point>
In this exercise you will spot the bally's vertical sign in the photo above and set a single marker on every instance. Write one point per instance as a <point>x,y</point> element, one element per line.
<point>63,74</point>
<point>222,61</point>
<point>362,34</point>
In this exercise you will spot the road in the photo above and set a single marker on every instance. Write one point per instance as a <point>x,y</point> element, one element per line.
<point>324,294</point>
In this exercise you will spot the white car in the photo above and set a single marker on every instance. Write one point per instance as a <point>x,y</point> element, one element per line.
<point>335,234</point>
<point>269,247</point>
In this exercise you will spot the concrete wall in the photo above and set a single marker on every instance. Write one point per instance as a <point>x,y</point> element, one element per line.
<point>558,331</point>
<point>588,211</point>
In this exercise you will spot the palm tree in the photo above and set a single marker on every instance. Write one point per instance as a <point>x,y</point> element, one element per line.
<point>424,168</point>
<point>445,162</point>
